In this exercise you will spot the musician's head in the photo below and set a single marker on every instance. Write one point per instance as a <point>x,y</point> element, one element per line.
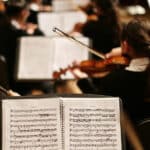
<point>103,7</point>
<point>17,9</point>
<point>135,39</point>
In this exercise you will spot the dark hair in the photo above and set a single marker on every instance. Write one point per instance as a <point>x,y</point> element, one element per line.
<point>104,5</point>
<point>14,7</point>
<point>137,34</point>
<point>108,9</point>
<point>4,20</point>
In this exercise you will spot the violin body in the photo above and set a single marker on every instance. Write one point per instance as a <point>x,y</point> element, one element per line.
<point>91,67</point>
<point>105,65</point>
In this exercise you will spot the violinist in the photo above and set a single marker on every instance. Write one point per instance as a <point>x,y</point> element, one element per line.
<point>129,84</point>
<point>104,29</point>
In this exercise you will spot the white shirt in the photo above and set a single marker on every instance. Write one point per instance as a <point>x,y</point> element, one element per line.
<point>15,24</point>
<point>138,64</point>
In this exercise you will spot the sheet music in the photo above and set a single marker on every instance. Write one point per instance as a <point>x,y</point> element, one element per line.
<point>62,5</point>
<point>81,2</point>
<point>47,21</point>
<point>63,20</point>
<point>30,124</point>
<point>67,51</point>
<point>39,57</point>
<point>35,58</point>
<point>92,124</point>
<point>71,18</point>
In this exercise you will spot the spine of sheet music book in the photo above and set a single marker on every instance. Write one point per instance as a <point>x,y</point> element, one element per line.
<point>61,123</point>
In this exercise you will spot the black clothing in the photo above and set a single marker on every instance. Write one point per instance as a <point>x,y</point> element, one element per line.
<point>143,3</point>
<point>103,35</point>
<point>8,45</point>
<point>3,73</point>
<point>9,41</point>
<point>128,85</point>
<point>47,2</point>
<point>33,17</point>
<point>3,94</point>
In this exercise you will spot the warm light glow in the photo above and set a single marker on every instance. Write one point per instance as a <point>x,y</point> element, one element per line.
<point>148,1</point>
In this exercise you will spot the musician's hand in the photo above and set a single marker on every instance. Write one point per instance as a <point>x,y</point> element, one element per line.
<point>78,27</point>
<point>30,28</point>
<point>77,73</point>
<point>12,93</point>
<point>92,17</point>
<point>37,92</point>
<point>114,52</point>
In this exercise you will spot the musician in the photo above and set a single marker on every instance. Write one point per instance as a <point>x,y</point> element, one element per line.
<point>18,13</point>
<point>104,30</point>
<point>129,84</point>
<point>12,27</point>
<point>36,6</point>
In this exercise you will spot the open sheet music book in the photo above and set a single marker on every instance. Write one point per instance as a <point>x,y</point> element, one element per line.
<point>61,123</point>
<point>39,57</point>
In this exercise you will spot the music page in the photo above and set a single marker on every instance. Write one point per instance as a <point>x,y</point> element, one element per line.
<point>31,124</point>
<point>65,21</point>
<point>67,51</point>
<point>48,20</point>
<point>92,124</point>
<point>81,2</point>
<point>35,58</point>
<point>70,19</point>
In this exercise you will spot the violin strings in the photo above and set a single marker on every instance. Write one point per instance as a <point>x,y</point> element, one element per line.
<point>61,33</point>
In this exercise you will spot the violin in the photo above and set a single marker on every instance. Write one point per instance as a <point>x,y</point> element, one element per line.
<point>104,65</point>
<point>90,67</point>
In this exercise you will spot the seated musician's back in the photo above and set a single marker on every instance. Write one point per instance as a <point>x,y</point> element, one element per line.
<point>129,83</point>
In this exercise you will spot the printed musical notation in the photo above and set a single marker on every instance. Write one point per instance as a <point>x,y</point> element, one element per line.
<point>93,125</point>
<point>33,125</point>
<point>61,124</point>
